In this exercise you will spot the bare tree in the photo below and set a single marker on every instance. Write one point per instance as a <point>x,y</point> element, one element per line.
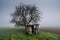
<point>25,14</point>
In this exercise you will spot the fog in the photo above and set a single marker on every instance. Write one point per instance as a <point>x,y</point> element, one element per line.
<point>50,10</point>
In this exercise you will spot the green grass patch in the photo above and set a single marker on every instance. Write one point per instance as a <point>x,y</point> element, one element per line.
<point>19,34</point>
<point>4,33</point>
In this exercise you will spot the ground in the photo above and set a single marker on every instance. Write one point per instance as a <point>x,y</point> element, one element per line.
<point>19,34</point>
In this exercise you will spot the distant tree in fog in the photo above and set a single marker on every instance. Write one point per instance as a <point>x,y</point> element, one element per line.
<point>25,14</point>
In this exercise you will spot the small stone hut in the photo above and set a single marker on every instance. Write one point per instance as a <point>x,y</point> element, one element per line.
<point>33,29</point>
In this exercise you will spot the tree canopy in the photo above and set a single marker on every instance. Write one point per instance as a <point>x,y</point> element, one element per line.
<point>25,14</point>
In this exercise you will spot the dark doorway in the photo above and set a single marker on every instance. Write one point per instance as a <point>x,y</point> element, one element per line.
<point>32,28</point>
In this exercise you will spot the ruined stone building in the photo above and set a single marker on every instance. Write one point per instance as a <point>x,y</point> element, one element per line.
<point>33,29</point>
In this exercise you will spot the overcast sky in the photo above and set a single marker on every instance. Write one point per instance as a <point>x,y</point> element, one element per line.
<point>50,11</point>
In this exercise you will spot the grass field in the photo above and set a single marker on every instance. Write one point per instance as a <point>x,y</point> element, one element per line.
<point>4,33</point>
<point>19,34</point>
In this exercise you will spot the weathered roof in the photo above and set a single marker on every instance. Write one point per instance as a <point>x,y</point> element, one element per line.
<point>32,25</point>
